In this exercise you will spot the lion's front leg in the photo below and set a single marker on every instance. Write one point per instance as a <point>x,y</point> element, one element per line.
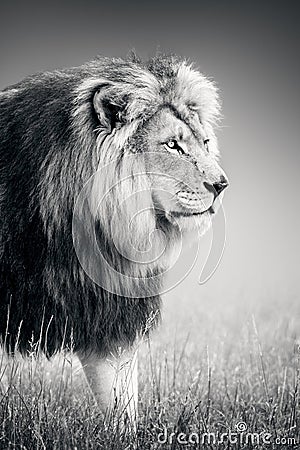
<point>113,381</point>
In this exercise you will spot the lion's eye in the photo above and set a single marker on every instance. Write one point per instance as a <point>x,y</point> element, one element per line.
<point>173,147</point>
<point>205,142</point>
<point>171,144</point>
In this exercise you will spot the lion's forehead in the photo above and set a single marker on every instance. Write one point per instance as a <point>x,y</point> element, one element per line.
<point>168,124</point>
<point>186,87</point>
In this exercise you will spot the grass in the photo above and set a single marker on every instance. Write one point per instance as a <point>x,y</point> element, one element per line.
<point>205,371</point>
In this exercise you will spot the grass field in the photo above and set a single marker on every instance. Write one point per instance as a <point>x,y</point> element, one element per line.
<point>209,370</point>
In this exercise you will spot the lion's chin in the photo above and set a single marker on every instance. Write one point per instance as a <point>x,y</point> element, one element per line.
<point>186,223</point>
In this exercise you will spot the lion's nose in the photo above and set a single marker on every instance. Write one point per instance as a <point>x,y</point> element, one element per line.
<point>218,187</point>
<point>221,185</point>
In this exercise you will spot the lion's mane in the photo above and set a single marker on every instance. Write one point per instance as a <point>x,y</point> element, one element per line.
<point>51,144</point>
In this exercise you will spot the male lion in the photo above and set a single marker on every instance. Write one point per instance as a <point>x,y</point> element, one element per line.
<point>146,129</point>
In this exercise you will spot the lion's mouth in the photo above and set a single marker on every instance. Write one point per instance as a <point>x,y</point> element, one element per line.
<point>192,205</point>
<point>209,210</point>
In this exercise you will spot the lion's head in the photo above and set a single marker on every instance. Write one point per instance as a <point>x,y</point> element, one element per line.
<point>158,172</point>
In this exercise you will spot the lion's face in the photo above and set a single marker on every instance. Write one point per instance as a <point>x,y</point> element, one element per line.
<point>181,160</point>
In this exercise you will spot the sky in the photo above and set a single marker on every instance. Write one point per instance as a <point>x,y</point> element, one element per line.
<point>251,50</point>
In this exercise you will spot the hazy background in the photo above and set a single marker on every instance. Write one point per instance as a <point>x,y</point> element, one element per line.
<point>251,49</point>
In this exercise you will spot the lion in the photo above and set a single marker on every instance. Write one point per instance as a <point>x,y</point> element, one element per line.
<point>146,129</point>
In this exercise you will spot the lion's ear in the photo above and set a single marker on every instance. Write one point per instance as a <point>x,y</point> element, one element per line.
<point>108,108</point>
